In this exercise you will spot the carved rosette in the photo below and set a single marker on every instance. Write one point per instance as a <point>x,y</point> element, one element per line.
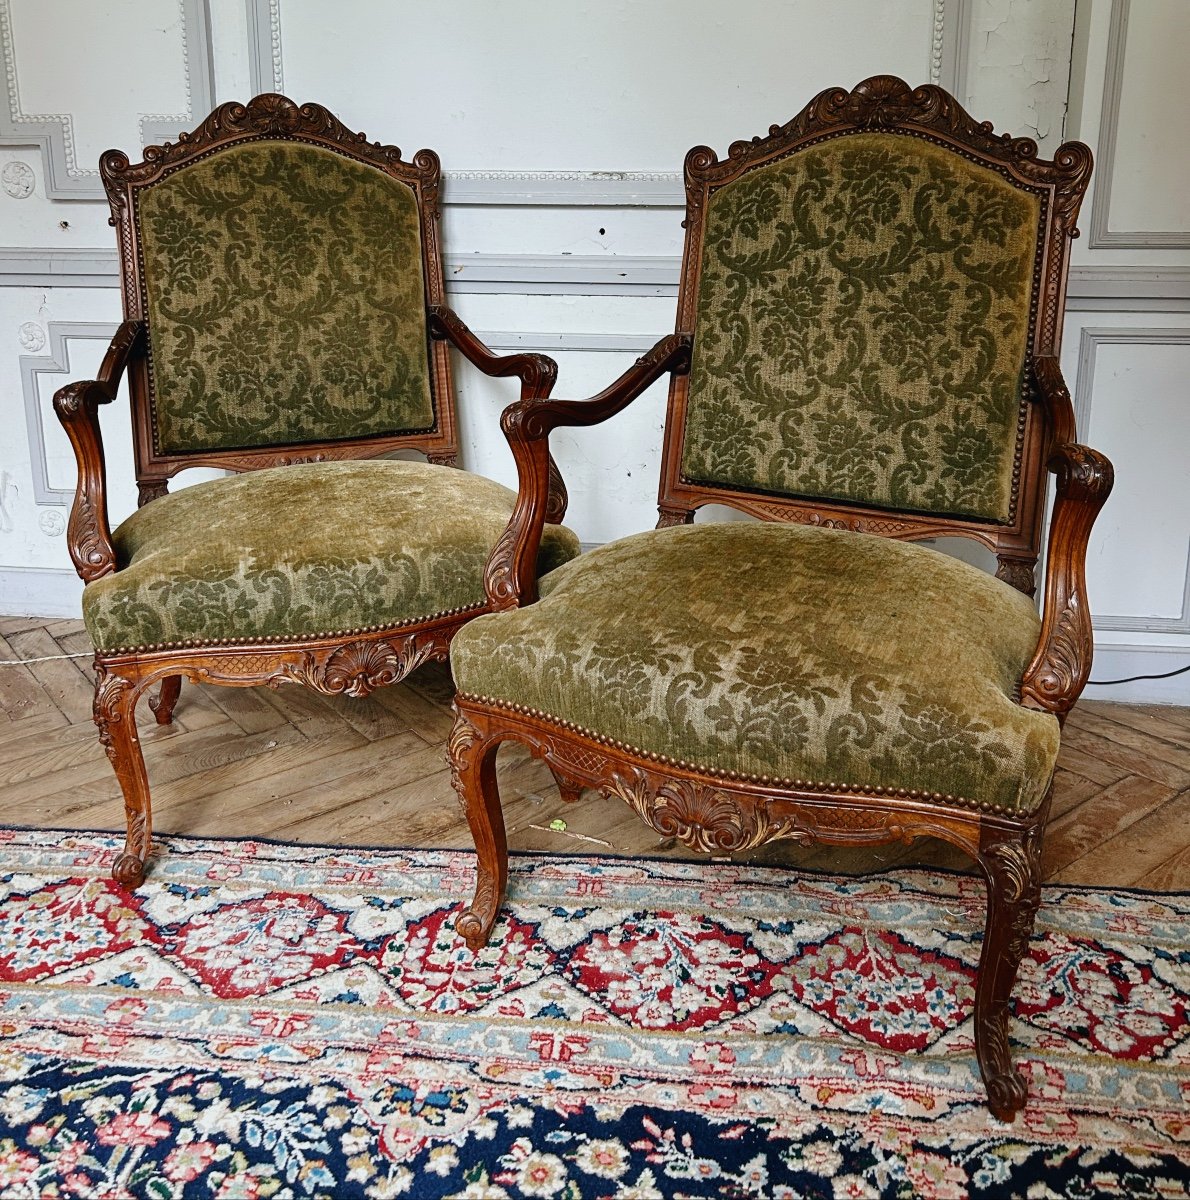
<point>359,668</point>
<point>670,518</point>
<point>149,490</point>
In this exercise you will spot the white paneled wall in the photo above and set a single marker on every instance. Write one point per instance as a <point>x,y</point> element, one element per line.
<point>562,129</point>
<point>1127,348</point>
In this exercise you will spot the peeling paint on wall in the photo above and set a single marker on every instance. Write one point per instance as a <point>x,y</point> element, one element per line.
<point>1019,67</point>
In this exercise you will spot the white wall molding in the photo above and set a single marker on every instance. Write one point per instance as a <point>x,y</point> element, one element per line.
<point>567,343</point>
<point>1102,236</point>
<point>65,177</point>
<point>1115,288</point>
<point>1090,340</point>
<point>56,362</point>
<point>564,274</point>
<point>1129,289</point>
<point>264,46</point>
<point>58,266</point>
<point>586,189</point>
<point>950,48</point>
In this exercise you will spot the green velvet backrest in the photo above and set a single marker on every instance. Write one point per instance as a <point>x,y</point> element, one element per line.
<point>283,287</point>
<point>862,322</point>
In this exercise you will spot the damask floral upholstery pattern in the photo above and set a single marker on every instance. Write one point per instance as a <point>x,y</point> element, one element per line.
<point>285,300</point>
<point>304,550</point>
<point>862,324</point>
<point>782,650</point>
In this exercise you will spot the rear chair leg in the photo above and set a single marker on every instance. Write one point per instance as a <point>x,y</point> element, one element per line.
<point>1011,862</point>
<point>115,715</point>
<point>163,703</point>
<point>473,773</point>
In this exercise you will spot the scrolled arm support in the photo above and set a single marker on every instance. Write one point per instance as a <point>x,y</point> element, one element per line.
<point>77,405</point>
<point>537,372</point>
<point>1058,671</point>
<point>510,578</point>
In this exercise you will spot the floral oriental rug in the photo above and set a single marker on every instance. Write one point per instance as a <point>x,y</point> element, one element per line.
<point>278,1021</point>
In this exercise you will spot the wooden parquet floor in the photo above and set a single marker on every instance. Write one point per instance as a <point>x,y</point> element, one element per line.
<point>295,766</point>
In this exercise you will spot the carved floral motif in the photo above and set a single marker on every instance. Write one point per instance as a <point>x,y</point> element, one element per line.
<point>361,667</point>
<point>1017,573</point>
<point>17,180</point>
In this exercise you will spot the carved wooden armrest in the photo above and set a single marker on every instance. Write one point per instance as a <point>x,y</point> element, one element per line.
<point>77,405</point>
<point>537,373</point>
<point>511,574</point>
<point>1055,677</point>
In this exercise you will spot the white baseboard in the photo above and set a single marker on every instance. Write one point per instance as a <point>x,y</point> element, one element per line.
<point>40,592</point>
<point>1119,662</point>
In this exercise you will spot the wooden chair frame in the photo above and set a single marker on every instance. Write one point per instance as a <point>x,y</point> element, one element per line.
<point>355,663</point>
<point>724,812</point>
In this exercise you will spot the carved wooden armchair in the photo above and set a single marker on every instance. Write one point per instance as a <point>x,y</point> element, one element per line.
<point>284,319</point>
<point>865,357</point>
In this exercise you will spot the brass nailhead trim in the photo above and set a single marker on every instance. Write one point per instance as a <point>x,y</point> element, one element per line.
<point>823,786</point>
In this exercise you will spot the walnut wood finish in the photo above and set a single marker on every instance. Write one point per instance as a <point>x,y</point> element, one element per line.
<point>721,812</point>
<point>360,660</point>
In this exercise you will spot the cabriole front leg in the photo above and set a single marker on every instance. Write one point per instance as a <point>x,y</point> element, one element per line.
<point>1011,862</point>
<point>473,773</point>
<point>115,717</point>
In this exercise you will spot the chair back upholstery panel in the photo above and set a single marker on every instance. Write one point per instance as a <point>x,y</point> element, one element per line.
<point>863,316</point>
<point>285,300</point>
<point>282,265</point>
<point>865,289</point>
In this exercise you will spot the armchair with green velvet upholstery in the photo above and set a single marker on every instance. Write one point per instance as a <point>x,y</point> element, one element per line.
<point>865,358</point>
<point>284,320</point>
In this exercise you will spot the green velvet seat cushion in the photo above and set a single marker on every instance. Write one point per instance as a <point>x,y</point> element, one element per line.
<point>794,652</point>
<point>304,550</point>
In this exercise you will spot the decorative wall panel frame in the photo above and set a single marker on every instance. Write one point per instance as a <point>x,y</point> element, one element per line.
<point>65,178</point>
<point>56,362</point>
<point>950,24</point>
<point>1089,342</point>
<point>1101,235</point>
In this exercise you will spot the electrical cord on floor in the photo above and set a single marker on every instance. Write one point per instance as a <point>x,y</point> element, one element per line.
<point>20,662</point>
<point>1134,678</point>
